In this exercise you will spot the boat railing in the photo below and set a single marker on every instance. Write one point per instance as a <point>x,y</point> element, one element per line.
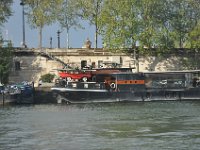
<point>86,85</point>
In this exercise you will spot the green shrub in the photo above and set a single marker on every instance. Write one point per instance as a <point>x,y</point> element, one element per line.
<point>47,77</point>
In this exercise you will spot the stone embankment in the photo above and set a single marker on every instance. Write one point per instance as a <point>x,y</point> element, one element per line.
<point>30,64</point>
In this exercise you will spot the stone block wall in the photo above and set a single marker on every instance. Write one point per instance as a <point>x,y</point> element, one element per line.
<point>32,68</point>
<point>34,65</point>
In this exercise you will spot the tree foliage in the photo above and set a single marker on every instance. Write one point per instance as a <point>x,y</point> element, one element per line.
<point>118,24</point>
<point>184,19</point>
<point>41,13</point>
<point>162,24</point>
<point>90,10</point>
<point>5,10</point>
<point>47,78</point>
<point>194,36</point>
<point>5,53</point>
<point>5,64</point>
<point>67,16</point>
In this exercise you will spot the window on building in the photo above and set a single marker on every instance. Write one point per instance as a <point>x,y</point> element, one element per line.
<point>121,60</point>
<point>83,64</point>
<point>93,65</point>
<point>100,63</point>
<point>17,65</point>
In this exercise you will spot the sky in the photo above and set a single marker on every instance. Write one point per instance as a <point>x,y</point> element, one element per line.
<point>12,30</point>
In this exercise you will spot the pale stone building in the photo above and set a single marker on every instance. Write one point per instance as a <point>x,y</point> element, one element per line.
<point>30,64</point>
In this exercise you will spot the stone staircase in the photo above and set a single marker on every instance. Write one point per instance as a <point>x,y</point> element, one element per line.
<point>51,57</point>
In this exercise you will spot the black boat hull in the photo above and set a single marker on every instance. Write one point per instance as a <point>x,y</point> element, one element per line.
<point>73,96</point>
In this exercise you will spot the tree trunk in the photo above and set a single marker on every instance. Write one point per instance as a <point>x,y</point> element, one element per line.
<point>67,38</point>
<point>180,41</point>
<point>96,24</point>
<point>40,37</point>
<point>96,36</point>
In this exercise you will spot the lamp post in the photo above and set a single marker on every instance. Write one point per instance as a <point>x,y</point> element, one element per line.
<point>23,24</point>
<point>51,42</point>
<point>58,33</point>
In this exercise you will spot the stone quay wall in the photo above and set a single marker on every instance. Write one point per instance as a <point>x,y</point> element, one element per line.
<point>31,64</point>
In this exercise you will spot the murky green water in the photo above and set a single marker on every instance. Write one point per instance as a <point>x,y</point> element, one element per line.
<point>112,126</point>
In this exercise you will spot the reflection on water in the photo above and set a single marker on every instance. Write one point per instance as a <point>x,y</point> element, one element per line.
<point>101,126</point>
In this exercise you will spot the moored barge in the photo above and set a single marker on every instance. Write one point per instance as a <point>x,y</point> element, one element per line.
<point>108,85</point>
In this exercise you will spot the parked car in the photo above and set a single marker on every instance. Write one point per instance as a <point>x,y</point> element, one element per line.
<point>71,75</point>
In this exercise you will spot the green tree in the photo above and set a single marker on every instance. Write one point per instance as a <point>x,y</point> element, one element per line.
<point>5,64</point>
<point>91,10</point>
<point>67,16</point>
<point>163,24</point>
<point>148,26</point>
<point>41,13</point>
<point>161,16</point>
<point>47,78</point>
<point>160,24</point>
<point>5,10</point>
<point>5,53</point>
<point>195,37</point>
<point>185,16</point>
<point>118,25</point>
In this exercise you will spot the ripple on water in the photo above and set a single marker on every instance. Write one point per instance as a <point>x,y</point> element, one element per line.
<point>116,126</point>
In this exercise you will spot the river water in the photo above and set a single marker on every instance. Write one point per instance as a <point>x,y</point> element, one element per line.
<point>170,125</point>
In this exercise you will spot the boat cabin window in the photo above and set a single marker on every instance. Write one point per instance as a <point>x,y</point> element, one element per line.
<point>130,76</point>
<point>123,76</point>
<point>104,77</point>
<point>165,80</point>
